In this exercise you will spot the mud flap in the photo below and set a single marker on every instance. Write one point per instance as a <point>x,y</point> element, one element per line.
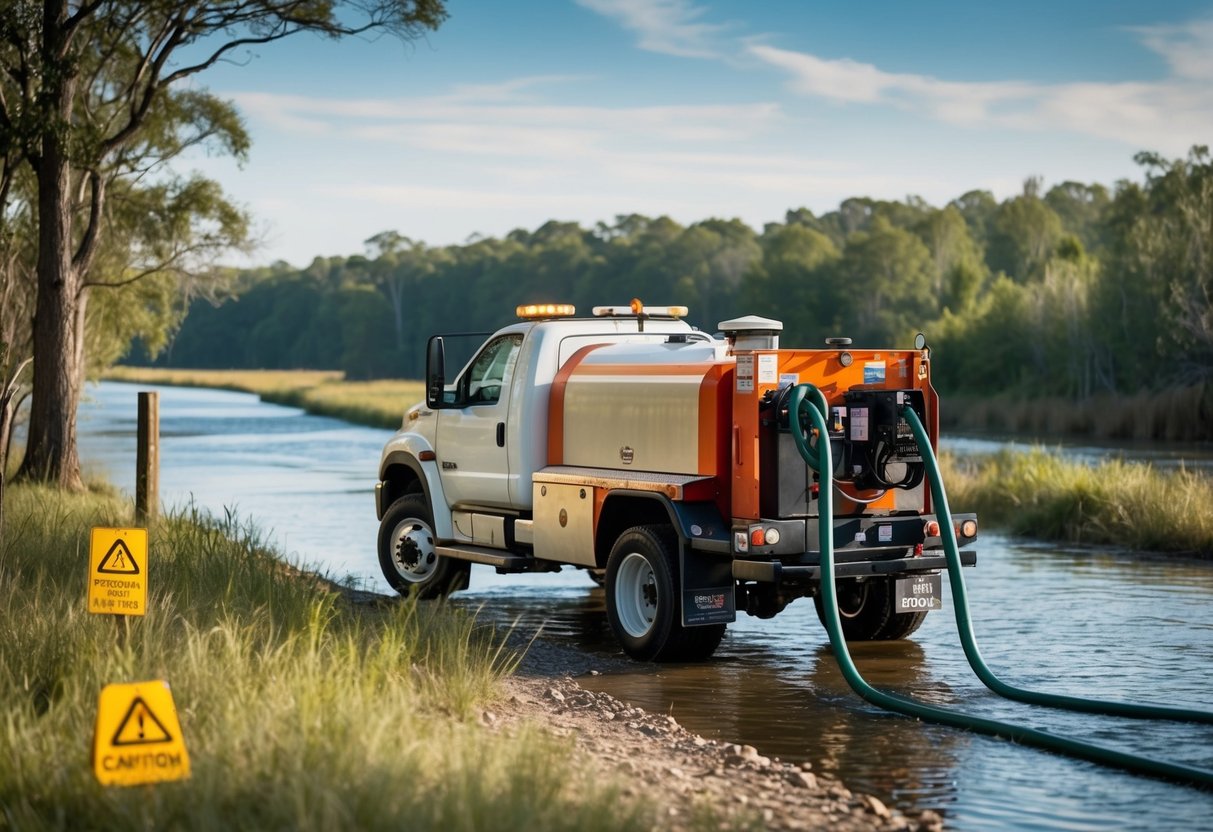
<point>708,590</point>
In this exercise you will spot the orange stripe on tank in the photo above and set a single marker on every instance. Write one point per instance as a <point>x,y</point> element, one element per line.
<point>643,369</point>
<point>556,404</point>
<point>715,424</point>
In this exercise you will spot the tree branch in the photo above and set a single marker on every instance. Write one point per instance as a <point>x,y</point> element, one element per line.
<point>83,257</point>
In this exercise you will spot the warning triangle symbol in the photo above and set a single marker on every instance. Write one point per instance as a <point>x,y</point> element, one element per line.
<point>119,560</point>
<point>140,726</point>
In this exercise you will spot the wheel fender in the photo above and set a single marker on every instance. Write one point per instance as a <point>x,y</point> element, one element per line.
<point>707,586</point>
<point>406,450</point>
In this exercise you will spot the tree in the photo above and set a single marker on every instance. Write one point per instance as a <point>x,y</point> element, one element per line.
<point>92,98</point>
<point>788,283</point>
<point>1023,236</point>
<point>958,267</point>
<point>978,209</point>
<point>1081,210</point>
<point>886,275</point>
<point>1159,294</point>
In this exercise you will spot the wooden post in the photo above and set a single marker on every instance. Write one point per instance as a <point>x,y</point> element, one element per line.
<point>147,459</point>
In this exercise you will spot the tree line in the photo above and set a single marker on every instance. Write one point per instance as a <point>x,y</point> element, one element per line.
<point>1071,291</point>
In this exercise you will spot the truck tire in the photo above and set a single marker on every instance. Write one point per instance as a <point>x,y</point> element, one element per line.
<point>406,552</point>
<point>643,599</point>
<point>866,611</point>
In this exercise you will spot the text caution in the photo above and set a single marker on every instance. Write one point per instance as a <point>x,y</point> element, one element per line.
<point>137,738</point>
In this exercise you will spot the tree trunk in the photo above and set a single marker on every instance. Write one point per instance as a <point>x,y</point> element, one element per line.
<point>51,453</point>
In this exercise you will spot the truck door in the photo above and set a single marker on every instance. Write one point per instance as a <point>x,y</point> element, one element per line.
<point>471,437</point>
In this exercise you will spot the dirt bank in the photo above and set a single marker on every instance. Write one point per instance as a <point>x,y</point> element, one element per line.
<point>686,773</point>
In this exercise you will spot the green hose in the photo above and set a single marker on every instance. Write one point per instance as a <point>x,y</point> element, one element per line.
<point>822,461</point>
<point>964,624</point>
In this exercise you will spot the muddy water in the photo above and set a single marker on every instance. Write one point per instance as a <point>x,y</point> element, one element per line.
<point>1082,622</point>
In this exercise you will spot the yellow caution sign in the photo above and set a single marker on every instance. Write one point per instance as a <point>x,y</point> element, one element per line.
<point>117,575</point>
<point>137,738</point>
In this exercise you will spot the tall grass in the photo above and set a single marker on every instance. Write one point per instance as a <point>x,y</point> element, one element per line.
<point>299,710</point>
<point>378,403</point>
<point>1122,504</point>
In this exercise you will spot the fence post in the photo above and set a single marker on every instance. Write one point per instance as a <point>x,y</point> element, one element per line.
<point>147,459</point>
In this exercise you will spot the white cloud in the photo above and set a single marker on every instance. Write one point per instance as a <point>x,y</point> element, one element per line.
<point>1167,115</point>
<point>672,27</point>
<point>1187,48</point>
<point>455,124</point>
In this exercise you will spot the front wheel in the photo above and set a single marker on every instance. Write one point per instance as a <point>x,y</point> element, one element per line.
<point>407,556</point>
<point>643,599</point>
<point>868,612</point>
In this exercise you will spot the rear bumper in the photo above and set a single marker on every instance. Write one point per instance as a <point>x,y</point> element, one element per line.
<point>773,571</point>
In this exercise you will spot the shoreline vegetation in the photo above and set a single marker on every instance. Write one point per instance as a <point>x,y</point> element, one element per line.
<point>300,710</point>
<point>377,404</point>
<point>1034,494</point>
<point>1125,505</point>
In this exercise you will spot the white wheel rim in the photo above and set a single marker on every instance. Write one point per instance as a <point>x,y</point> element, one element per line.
<point>413,550</point>
<point>636,595</point>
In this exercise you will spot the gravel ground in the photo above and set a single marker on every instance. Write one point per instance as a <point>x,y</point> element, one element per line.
<point>685,773</point>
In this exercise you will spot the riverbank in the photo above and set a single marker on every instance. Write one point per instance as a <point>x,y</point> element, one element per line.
<point>376,404</point>
<point>307,706</point>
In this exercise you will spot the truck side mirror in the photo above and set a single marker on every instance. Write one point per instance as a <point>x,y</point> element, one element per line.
<point>435,373</point>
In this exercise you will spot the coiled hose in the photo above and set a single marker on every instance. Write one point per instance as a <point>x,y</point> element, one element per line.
<point>820,460</point>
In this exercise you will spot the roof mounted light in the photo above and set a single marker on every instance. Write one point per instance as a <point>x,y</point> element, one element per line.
<point>636,309</point>
<point>531,311</point>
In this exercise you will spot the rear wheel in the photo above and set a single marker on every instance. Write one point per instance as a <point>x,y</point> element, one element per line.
<point>866,609</point>
<point>407,556</point>
<point>643,599</point>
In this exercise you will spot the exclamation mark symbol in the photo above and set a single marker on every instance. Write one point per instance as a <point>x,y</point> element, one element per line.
<point>141,725</point>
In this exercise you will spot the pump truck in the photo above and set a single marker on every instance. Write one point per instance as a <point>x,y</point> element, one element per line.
<point>668,462</point>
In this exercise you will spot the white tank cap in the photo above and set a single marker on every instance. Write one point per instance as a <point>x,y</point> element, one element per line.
<point>753,332</point>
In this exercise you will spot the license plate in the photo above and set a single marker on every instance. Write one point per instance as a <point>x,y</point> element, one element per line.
<point>919,593</point>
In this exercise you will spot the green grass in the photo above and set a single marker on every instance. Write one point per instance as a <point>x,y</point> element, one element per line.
<point>299,709</point>
<point>1122,504</point>
<point>378,404</point>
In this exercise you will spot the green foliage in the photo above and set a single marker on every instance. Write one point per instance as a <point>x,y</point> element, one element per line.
<point>299,709</point>
<point>1023,235</point>
<point>1122,504</point>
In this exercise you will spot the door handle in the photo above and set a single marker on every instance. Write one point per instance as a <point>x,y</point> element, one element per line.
<point>501,434</point>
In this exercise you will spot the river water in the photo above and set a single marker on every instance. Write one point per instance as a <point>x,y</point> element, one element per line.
<point>1078,621</point>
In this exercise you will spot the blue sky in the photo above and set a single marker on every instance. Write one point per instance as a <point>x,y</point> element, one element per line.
<point>512,114</point>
